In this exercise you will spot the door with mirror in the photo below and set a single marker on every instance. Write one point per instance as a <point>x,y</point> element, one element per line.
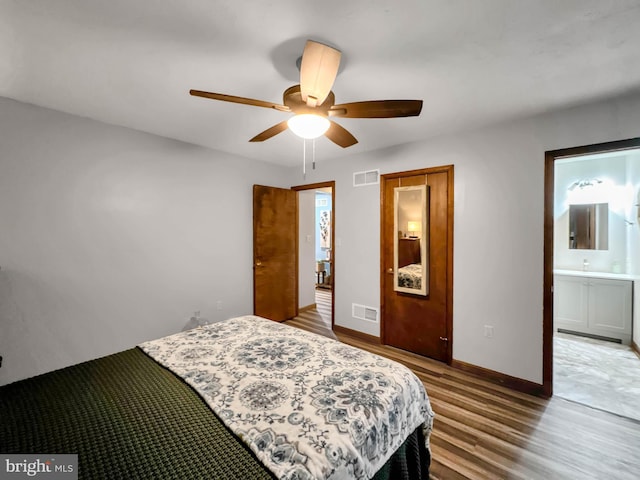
<point>411,273</point>
<point>417,261</point>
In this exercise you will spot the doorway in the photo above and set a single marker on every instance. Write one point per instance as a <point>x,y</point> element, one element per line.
<point>591,263</point>
<point>316,258</point>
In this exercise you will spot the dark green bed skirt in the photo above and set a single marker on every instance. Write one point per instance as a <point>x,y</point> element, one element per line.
<point>129,418</point>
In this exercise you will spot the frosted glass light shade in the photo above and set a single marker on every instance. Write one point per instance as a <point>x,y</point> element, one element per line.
<point>308,125</point>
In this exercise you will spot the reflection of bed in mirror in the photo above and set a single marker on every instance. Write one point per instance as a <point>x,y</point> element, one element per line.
<point>409,263</point>
<point>410,276</point>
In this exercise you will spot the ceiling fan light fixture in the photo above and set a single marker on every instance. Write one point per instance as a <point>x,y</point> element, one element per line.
<point>312,101</point>
<point>308,125</point>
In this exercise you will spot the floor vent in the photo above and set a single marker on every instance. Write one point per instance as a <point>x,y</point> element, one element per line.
<point>364,313</point>
<point>370,177</point>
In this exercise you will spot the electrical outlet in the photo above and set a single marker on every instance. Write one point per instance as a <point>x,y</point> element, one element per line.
<point>488,331</point>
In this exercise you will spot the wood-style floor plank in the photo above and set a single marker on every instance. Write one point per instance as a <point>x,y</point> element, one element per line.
<point>486,431</point>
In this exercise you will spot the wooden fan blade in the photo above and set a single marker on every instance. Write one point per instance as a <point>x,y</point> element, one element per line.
<point>270,132</point>
<point>377,109</point>
<point>340,135</point>
<point>242,100</point>
<point>318,71</point>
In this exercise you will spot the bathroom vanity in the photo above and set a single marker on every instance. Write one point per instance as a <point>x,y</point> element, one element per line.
<point>594,303</point>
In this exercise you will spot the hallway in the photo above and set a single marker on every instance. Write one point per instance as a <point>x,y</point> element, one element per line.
<point>317,320</point>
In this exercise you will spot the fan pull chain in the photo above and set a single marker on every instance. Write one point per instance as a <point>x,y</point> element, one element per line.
<point>304,158</point>
<point>314,153</point>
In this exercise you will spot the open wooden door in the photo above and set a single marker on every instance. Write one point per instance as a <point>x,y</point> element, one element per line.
<point>275,243</point>
<point>414,322</point>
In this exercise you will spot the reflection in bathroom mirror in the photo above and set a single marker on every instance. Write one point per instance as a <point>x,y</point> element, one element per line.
<point>589,226</point>
<point>411,265</point>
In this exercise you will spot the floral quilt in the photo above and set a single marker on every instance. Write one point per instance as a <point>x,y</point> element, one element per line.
<point>410,276</point>
<point>308,406</point>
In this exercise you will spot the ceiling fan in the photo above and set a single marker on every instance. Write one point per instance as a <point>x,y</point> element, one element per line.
<point>312,102</point>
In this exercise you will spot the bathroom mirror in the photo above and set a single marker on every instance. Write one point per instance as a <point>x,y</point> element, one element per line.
<point>411,263</point>
<point>589,226</point>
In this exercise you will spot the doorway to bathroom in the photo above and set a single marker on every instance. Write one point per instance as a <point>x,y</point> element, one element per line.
<point>592,276</point>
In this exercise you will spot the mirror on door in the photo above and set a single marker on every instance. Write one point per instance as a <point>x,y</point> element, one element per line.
<point>411,262</point>
<point>589,226</point>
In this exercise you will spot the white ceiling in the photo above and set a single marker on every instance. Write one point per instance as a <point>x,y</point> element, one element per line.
<point>132,62</point>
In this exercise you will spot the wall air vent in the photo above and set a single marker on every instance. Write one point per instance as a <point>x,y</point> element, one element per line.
<point>363,312</point>
<point>370,177</point>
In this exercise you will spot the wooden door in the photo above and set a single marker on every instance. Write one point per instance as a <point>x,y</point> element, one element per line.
<point>275,243</point>
<point>420,324</point>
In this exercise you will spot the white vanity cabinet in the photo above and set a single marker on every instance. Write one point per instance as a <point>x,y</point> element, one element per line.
<point>593,305</point>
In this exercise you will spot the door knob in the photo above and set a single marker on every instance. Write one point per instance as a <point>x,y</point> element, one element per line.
<point>258,263</point>
<point>444,339</point>
<point>390,271</point>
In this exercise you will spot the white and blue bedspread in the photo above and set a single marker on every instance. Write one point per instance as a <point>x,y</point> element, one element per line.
<point>308,406</point>
<point>410,276</point>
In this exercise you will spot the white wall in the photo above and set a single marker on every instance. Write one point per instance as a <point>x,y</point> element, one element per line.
<point>633,237</point>
<point>306,247</point>
<point>498,226</point>
<point>633,241</point>
<point>613,173</point>
<point>109,237</point>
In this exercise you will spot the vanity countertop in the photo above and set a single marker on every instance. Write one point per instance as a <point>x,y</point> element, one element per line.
<point>609,275</point>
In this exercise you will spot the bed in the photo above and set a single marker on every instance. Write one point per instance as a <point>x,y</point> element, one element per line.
<point>246,398</point>
<point>410,276</point>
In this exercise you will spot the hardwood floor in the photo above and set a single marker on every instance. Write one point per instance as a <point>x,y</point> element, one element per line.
<point>484,431</point>
<point>317,320</point>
